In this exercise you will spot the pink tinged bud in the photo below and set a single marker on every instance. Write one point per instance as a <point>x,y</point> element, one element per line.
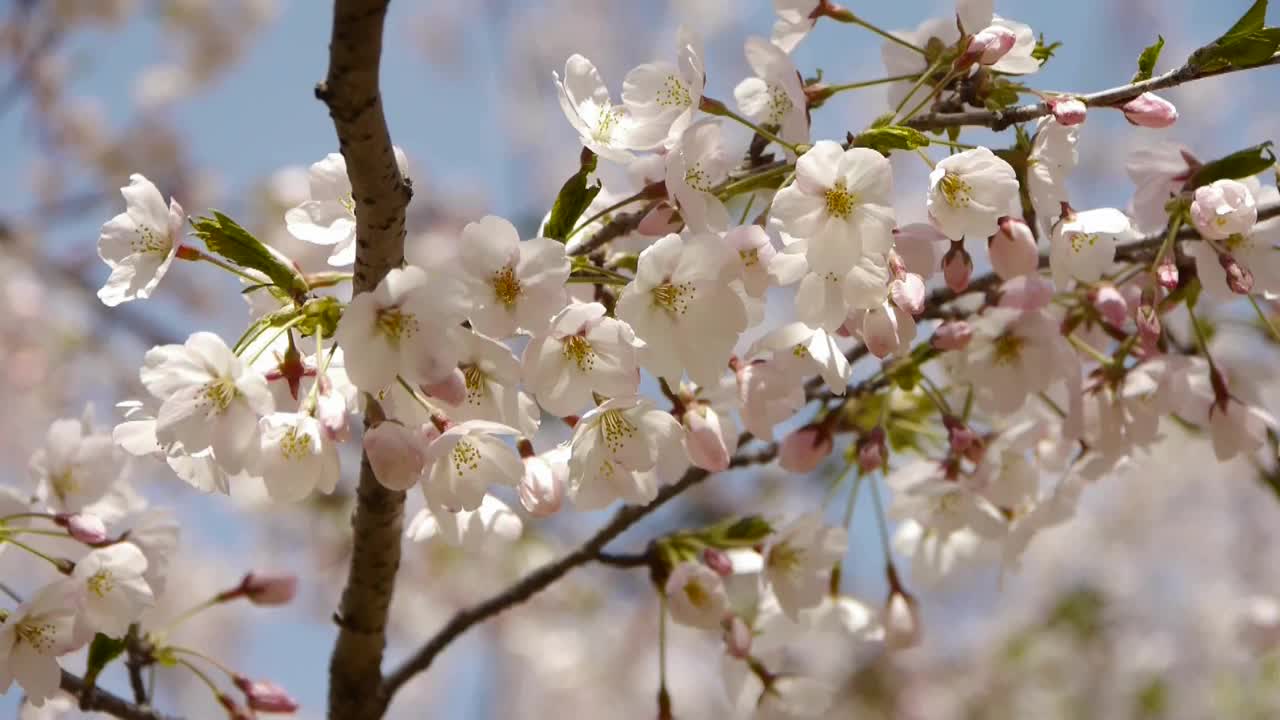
<point>1148,322</point>
<point>542,487</point>
<point>1150,111</point>
<point>960,436</point>
<point>660,221</point>
<point>957,267</point>
<point>901,621</point>
<point>1111,305</point>
<point>269,590</point>
<point>737,637</point>
<point>452,389</point>
<point>952,335</point>
<point>1167,274</point>
<point>1239,278</point>
<point>704,442</point>
<point>1068,112</point>
<point>988,46</point>
<point>264,696</point>
<point>804,449</point>
<point>718,561</point>
<point>1224,208</point>
<point>234,710</point>
<point>84,527</point>
<point>1013,250</point>
<point>908,293</point>
<point>331,411</point>
<point>396,454</point>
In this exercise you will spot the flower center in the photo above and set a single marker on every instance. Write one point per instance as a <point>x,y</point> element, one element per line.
<point>674,298</point>
<point>39,635</point>
<point>465,458</point>
<point>785,557</point>
<point>673,93</point>
<point>1008,349</point>
<point>1234,241</point>
<point>606,122</point>
<point>64,484</point>
<point>474,378</point>
<point>506,286</point>
<point>955,190</point>
<point>750,258</point>
<point>698,596</point>
<point>150,241</point>
<point>219,393</point>
<point>800,351</point>
<point>1079,240</point>
<point>617,430</point>
<point>396,324</point>
<point>840,201</point>
<point>579,350</point>
<point>779,104</point>
<point>102,583</point>
<point>294,445</point>
<point>697,178</point>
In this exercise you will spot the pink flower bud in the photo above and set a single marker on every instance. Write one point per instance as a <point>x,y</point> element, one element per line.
<point>952,335</point>
<point>233,708</point>
<point>872,451</point>
<point>268,590</point>
<point>1239,278</point>
<point>1068,111</point>
<point>1223,208</point>
<point>264,696</point>
<point>717,560</point>
<point>84,527</point>
<point>1013,250</point>
<point>918,245</point>
<point>660,221</point>
<point>331,411</point>
<point>1148,322</point>
<point>703,441</point>
<point>901,621</point>
<point>960,436</point>
<point>1026,292</point>
<point>907,293</point>
<point>1167,274</point>
<point>396,454</point>
<point>886,330</point>
<point>737,637</point>
<point>957,267</point>
<point>804,449</point>
<point>988,46</point>
<point>1111,305</point>
<point>542,487</point>
<point>451,389</point>
<point>1151,111</point>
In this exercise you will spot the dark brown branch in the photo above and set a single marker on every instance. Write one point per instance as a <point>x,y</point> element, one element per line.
<point>617,227</point>
<point>106,702</point>
<point>139,654</point>
<point>381,195</point>
<point>1001,119</point>
<point>624,560</point>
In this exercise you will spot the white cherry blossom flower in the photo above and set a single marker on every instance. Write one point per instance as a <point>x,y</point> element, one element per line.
<point>696,596</point>
<point>1258,252</point>
<point>1053,156</point>
<point>922,492</point>
<point>491,380</point>
<point>465,460</point>
<point>826,296</point>
<point>662,98</point>
<point>798,562</point>
<point>774,96</point>
<point>581,353</point>
<point>76,467</point>
<point>795,20</point>
<point>471,530</point>
<point>604,128</point>
<point>624,449</point>
<point>885,329</point>
<point>408,326</point>
<point>110,589</point>
<point>688,319</point>
<point>208,399</point>
<point>1159,172</point>
<point>760,265</point>
<point>329,217</point>
<point>694,167</point>
<point>140,243</point>
<point>31,639</point>
<point>1084,245</point>
<point>840,204</point>
<point>137,437</point>
<point>969,192</point>
<point>800,351</point>
<point>545,481</point>
<point>1012,355</point>
<point>769,394</point>
<point>1223,208</point>
<point>515,285</point>
<point>296,457</point>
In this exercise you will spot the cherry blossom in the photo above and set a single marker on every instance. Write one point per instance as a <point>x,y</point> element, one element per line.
<point>1052,158</point>
<point>800,350</point>
<point>468,529</point>
<point>969,192</point>
<point>545,481</point>
<point>491,377</point>
<point>408,326</point>
<point>1223,208</point>
<point>1159,172</point>
<point>1012,250</point>
<point>76,467</point>
<point>710,436</point>
<point>604,128</point>
<point>1255,251</point>
<point>695,166</point>
<point>696,596</point>
<point>623,449</point>
<point>329,216</point>
<point>826,295</point>
<point>1151,111</point>
<point>662,98</point>
<point>208,399</point>
<point>137,437</point>
<point>110,589</point>
<point>296,457</point>
<point>140,243</point>
<point>31,639</point>
<point>582,352</point>
<point>1084,244</point>
<point>886,329</point>
<point>760,265</point>
<point>774,97</point>
<point>678,306</point>
<point>795,20</point>
<point>515,285</point>
<point>397,453</point>
<point>769,394</point>
<point>922,492</point>
<point>798,562</point>
<point>1013,354</point>
<point>465,460</point>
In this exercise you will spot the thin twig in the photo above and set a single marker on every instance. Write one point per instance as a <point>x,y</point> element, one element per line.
<point>102,701</point>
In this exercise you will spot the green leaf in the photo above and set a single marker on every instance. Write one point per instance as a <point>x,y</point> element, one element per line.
<point>885,140</point>
<point>322,314</point>
<point>1147,60</point>
<point>883,120</point>
<point>1252,19</point>
<point>1246,44</point>
<point>1002,94</point>
<point>224,237</point>
<point>1043,51</point>
<point>1239,164</point>
<point>746,531</point>
<point>575,195</point>
<point>102,651</point>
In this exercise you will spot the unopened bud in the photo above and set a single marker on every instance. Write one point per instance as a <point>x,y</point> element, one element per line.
<point>1148,322</point>
<point>908,293</point>
<point>703,440</point>
<point>737,637</point>
<point>804,449</point>
<point>1223,208</point>
<point>84,527</point>
<point>957,267</point>
<point>268,589</point>
<point>331,411</point>
<point>1111,305</point>
<point>451,390</point>
<point>234,710</point>
<point>264,696</point>
<point>1167,274</point>
<point>901,620</point>
<point>987,46</point>
<point>542,487</point>
<point>1013,250</point>
<point>1069,111</point>
<point>717,560</point>
<point>1239,277</point>
<point>952,335</point>
<point>396,454</point>
<point>1151,111</point>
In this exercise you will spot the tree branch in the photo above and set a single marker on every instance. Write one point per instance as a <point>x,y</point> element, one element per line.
<point>539,579</point>
<point>1001,119</point>
<point>103,701</point>
<point>381,196</point>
